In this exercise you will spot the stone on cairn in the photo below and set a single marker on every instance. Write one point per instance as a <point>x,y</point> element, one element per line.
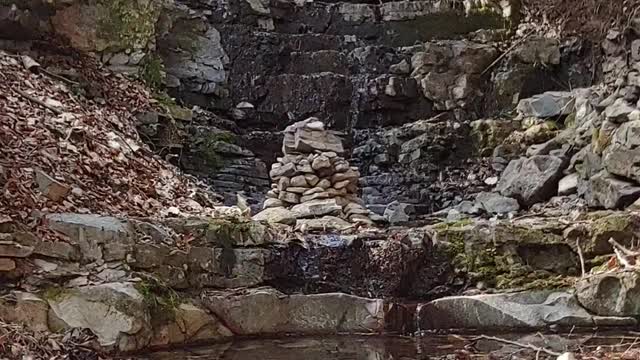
<point>313,180</point>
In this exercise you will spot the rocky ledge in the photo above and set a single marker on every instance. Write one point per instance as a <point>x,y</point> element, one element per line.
<point>139,284</point>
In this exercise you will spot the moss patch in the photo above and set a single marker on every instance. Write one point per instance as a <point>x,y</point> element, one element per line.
<point>207,148</point>
<point>152,72</point>
<point>130,24</point>
<point>160,300</point>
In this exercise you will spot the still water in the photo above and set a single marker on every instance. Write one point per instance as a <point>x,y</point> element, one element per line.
<point>325,348</point>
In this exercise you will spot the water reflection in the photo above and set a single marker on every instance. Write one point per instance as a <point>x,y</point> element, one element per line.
<point>325,348</point>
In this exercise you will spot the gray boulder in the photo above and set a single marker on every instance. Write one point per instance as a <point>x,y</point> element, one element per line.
<point>609,192</point>
<point>610,294</point>
<point>397,212</point>
<point>525,310</point>
<point>549,104</point>
<point>568,184</point>
<point>115,312</point>
<point>531,180</point>
<point>267,311</point>
<point>494,203</point>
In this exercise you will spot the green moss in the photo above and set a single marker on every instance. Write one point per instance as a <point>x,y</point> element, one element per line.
<point>152,73</point>
<point>129,24</point>
<point>207,148</point>
<point>53,293</point>
<point>161,301</point>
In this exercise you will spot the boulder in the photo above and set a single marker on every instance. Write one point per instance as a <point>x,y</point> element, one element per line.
<point>603,190</point>
<point>568,184</point>
<point>610,294</point>
<point>397,212</point>
<point>494,203</point>
<point>276,215</point>
<point>189,324</point>
<point>115,312</point>
<point>316,207</point>
<point>531,180</point>
<point>272,203</point>
<point>265,311</point>
<point>619,111</point>
<point>524,310</point>
<point>323,224</point>
<point>546,105</point>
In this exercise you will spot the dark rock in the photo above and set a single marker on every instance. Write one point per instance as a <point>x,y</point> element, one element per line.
<point>531,180</point>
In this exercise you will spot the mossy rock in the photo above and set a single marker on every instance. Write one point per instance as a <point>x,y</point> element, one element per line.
<point>229,233</point>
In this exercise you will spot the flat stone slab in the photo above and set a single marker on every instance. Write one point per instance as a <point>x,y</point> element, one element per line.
<point>524,310</point>
<point>268,311</point>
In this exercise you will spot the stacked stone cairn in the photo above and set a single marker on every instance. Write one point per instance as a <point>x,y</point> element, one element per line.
<point>314,181</point>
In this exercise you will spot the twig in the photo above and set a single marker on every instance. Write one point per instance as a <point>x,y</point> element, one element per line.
<point>581,258</point>
<point>526,346</point>
<point>39,102</point>
<point>510,49</point>
<point>59,77</point>
<point>621,259</point>
<point>616,245</point>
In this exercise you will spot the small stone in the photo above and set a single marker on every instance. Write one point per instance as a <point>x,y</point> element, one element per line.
<point>50,187</point>
<point>341,184</point>
<point>321,162</point>
<point>299,181</point>
<point>330,154</point>
<point>7,264</point>
<point>325,223</point>
<point>297,190</point>
<point>491,181</point>
<point>403,67</point>
<point>317,207</point>
<point>316,125</point>
<point>348,175</point>
<point>272,194</point>
<point>324,183</point>
<point>312,179</point>
<point>313,191</point>
<point>287,170</point>
<point>291,198</point>
<point>566,356</point>
<point>283,183</point>
<point>397,212</point>
<point>278,215</point>
<point>305,168</point>
<point>342,166</point>
<point>314,196</point>
<point>568,184</point>
<point>271,203</point>
<point>335,192</point>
